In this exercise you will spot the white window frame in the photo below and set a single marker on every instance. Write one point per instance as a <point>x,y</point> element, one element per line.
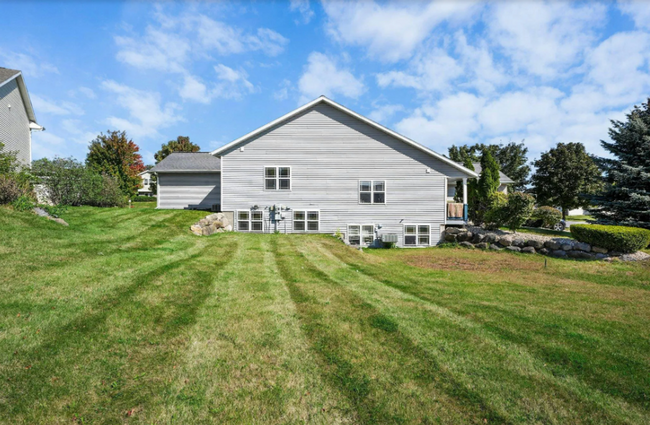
<point>306,220</point>
<point>250,221</point>
<point>361,226</point>
<point>277,178</point>
<point>372,192</point>
<point>417,234</point>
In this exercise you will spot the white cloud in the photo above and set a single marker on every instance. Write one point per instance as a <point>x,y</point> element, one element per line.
<point>391,31</point>
<point>89,93</point>
<point>323,77</point>
<point>232,83</point>
<point>544,38</point>
<point>381,113</point>
<point>195,90</point>
<point>156,49</point>
<point>29,66</point>
<point>283,92</point>
<point>638,10</point>
<point>146,113</point>
<point>47,106</point>
<point>302,7</point>
<point>433,71</point>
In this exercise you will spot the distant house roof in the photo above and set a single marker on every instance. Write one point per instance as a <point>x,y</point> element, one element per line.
<point>7,75</point>
<point>188,162</point>
<point>503,179</point>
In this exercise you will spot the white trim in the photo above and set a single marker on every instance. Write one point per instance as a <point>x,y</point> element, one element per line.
<point>250,221</point>
<point>277,178</point>
<point>372,192</point>
<point>11,79</point>
<point>221,186</point>
<point>417,234</point>
<point>158,193</point>
<point>446,189</point>
<point>347,233</point>
<point>185,171</point>
<point>306,220</point>
<point>323,99</point>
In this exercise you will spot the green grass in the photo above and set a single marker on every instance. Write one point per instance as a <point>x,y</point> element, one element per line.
<point>580,218</point>
<point>126,317</point>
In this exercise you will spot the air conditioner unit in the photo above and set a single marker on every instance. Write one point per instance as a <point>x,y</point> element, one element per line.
<point>389,237</point>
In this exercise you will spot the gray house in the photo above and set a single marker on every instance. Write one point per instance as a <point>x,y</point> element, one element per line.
<point>321,168</point>
<point>17,119</point>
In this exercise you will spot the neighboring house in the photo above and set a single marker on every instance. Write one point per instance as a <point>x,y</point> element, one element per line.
<point>17,119</point>
<point>321,168</point>
<point>504,181</point>
<point>145,190</point>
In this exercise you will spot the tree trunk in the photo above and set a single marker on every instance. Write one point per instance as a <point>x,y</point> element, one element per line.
<point>564,213</point>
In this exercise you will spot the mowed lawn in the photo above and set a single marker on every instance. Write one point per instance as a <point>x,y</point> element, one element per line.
<point>126,317</point>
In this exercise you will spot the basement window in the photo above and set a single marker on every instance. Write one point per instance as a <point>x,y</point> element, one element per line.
<point>417,234</point>
<point>306,221</point>
<point>361,234</point>
<point>250,221</point>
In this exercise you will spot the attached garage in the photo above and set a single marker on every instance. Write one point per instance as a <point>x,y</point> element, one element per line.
<point>189,181</point>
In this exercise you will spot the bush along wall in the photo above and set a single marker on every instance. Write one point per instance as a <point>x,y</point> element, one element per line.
<point>616,238</point>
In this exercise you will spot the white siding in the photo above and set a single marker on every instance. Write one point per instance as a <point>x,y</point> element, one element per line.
<point>188,191</point>
<point>14,123</point>
<point>329,152</point>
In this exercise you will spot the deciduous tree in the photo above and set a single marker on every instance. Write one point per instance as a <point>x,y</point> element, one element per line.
<point>181,144</point>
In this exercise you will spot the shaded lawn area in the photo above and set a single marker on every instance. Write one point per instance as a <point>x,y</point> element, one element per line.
<point>126,317</point>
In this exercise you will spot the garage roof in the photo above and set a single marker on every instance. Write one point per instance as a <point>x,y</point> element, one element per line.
<point>188,162</point>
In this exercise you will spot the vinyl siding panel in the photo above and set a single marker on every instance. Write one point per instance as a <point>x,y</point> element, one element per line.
<point>188,191</point>
<point>14,123</point>
<point>329,152</point>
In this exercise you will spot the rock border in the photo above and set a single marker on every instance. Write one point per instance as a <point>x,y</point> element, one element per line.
<point>42,213</point>
<point>476,237</point>
<point>213,223</point>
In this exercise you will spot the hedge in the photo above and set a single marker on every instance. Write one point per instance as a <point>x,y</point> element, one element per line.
<point>615,238</point>
<point>141,198</point>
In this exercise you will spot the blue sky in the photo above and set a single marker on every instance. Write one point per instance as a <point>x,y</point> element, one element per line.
<point>440,73</point>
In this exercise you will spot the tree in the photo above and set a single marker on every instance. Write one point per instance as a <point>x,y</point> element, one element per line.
<point>471,185</point>
<point>181,144</point>
<point>118,156</point>
<point>512,159</point>
<point>565,177</point>
<point>626,198</point>
<point>486,188</point>
<point>8,161</point>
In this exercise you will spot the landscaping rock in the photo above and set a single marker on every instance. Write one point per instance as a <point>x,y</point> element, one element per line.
<point>513,248</point>
<point>196,229</point>
<point>451,237</point>
<point>566,247</point>
<point>558,253</point>
<point>580,255</point>
<point>58,220</point>
<point>482,245</point>
<point>599,250</point>
<point>477,238</point>
<point>454,230</point>
<point>535,243</point>
<point>464,236</point>
<point>528,250</point>
<point>552,245</point>
<point>495,248</point>
<point>581,246</point>
<point>491,238</point>
<point>519,243</point>
<point>601,256</point>
<point>227,228</point>
<point>543,251</point>
<point>505,241</point>
<point>466,244</point>
<point>213,223</point>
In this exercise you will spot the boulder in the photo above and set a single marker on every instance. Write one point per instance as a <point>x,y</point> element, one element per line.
<point>450,237</point>
<point>495,248</point>
<point>535,243</point>
<point>204,222</point>
<point>581,246</point>
<point>466,244</point>
<point>217,224</point>
<point>601,256</point>
<point>552,245</point>
<point>566,247</point>
<point>58,220</point>
<point>478,238</point>
<point>505,241</point>
<point>491,238</point>
<point>196,229</point>
<point>482,245</point>
<point>214,217</point>
<point>580,255</point>
<point>519,243</point>
<point>528,250</point>
<point>454,230</point>
<point>543,251</point>
<point>513,248</point>
<point>615,254</point>
<point>558,253</point>
<point>208,230</point>
<point>599,250</point>
<point>464,236</point>
<point>228,228</point>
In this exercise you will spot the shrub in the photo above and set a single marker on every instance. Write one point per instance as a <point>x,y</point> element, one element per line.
<point>23,203</point>
<point>10,190</point>
<point>518,210</point>
<point>55,210</point>
<point>495,217</point>
<point>141,198</point>
<point>615,238</point>
<point>545,217</point>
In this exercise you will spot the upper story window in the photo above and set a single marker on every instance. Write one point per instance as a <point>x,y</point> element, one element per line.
<point>372,192</point>
<point>277,178</point>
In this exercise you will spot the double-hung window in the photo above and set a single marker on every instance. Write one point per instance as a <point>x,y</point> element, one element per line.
<point>306,221</point>
<point>372,191</point>
<point>250,221</point>
<point>277,178</point>
<point>417,234</point>
<point>361,234</point>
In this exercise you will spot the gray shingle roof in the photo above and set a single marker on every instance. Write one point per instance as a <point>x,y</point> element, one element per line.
<point>188,161</point>
<point>503,179</point>
<point>6,74</point>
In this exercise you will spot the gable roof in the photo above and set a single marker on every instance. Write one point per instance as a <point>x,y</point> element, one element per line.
<point>325,100</point>
<point>7,75</point>
<point>503,179</point>
<point>184,162</point>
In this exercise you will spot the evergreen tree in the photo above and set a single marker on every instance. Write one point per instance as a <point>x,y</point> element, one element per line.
<point>116,155</point>
<point>181,144</point>
<point>486,188</point>
<point>566,176</point>
<point>626,199</point>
